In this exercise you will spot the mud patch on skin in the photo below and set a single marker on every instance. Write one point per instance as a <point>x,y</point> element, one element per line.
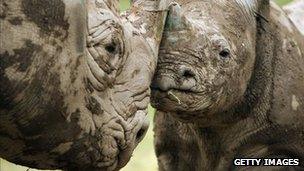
<point>88,86</point>
<point>49,118</point>
<point>294,103</point>
<point>75,73</point>
<point>16,21</point>
<point>3,10</point>
<point>46,14</point>
<point>94,106</point>
<point>10,90</point>
<point>24,56</point>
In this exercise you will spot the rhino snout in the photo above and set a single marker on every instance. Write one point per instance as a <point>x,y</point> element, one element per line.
<point>163,83</point>
<point>184,79</point>
<point>140,124</point>
<point>111,147</point>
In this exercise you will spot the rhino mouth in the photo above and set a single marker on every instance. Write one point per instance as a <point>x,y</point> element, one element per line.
<point>132,136</point>
<point>171,99</point>
<point>174,93</point>
<point>180,100</point>
<point>181,90</point>
<point>116,162</point>
<point>110,147</point>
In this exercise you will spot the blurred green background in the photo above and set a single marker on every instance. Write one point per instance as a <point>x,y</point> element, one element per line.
<point>143,158</point>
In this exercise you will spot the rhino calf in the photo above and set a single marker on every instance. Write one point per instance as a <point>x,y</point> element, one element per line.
<point>74,83</point>
<point>229,84</point>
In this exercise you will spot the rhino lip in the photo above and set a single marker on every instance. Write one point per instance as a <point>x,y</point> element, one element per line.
<point>176,96</point>
<point>186,91</point>
<point>124,157</point>
<point>117,162</point>
<point>126,151</point>
<point>171,94</point>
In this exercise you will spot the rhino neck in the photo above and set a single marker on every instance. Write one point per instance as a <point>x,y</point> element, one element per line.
<point>288,92</point>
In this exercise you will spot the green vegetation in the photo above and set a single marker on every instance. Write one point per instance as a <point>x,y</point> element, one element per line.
<point>143,157</point>
<point>124,4</point>
<point>283,2</point>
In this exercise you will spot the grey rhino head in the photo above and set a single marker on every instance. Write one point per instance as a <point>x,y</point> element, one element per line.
<point>74,84</point>
<point>206,58</point>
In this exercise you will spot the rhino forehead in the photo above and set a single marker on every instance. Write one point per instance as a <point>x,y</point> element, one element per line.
<point>237,11</point>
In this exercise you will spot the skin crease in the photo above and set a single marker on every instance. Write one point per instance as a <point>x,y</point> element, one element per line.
<point>74,82</point>
<point>228,84</point>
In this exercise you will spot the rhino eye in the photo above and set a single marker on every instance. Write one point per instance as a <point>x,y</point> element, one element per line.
<point>225,53</point>
<point>114,46</point>
<point>111,48</point>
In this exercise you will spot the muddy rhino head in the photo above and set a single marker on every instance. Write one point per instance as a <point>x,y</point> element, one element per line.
<point>206,57</point>
<point>74,84</point>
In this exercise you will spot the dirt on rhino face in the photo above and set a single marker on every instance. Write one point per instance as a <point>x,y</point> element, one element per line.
<point>228,84</point>
<point>74,84</point>
<point>206,58</point>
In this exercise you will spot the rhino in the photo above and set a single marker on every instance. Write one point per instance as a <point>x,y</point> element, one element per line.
<point>75,81</point>
<point>229,85</point>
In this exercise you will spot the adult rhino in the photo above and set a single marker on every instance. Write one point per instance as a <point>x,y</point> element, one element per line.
<point>74,82</point>
<point>229,84</point>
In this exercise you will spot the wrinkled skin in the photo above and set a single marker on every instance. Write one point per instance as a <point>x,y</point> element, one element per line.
<point>229,84</point>
<point>74,84</point>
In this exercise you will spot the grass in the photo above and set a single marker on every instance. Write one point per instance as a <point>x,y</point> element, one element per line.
<point>124,4</point>
<point>283,2</point>
<point>143,157</point>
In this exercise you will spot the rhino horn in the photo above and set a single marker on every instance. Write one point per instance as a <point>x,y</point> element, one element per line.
<point>174,18</point>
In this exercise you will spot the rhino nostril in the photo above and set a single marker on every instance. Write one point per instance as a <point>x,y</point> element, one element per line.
<point>140,134</point>
<point>142,131</point>
<point>186,72</point>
